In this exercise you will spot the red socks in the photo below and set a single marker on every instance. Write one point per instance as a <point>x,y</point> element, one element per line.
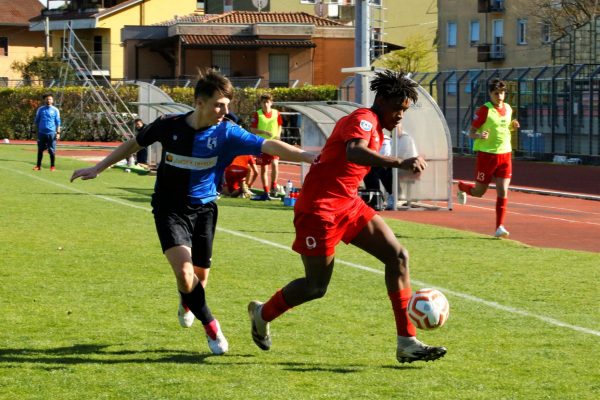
<point>399,301</point>
<point>274,307</point>
<point>500,210</point>
<point>465,187</point>
<point>211,329</point>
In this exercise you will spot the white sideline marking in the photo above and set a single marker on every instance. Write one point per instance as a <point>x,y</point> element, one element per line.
<point>465,296</point>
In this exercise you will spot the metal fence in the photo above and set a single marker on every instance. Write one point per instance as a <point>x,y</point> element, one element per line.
<point>557,106</point>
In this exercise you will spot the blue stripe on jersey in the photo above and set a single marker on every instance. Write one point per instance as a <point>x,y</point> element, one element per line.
<point>222,142</point>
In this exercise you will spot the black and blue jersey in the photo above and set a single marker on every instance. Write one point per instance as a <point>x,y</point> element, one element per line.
<point>193,161</point>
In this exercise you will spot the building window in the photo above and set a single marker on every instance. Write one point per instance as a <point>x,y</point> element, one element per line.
<point>522,31</point>
<point>497,49</point>
<point>98,51</point>
<point>221,61</point>
<point>3,46</point>
<point>451,34</point>
<point>279,70</point>
<point>545,33</point>
<point>474,33</point>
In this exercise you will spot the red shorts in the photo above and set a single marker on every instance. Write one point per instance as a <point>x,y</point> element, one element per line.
<point>490,165</point>
<point>317,234</point>
<point>234,178</point>
<point>265,159</point>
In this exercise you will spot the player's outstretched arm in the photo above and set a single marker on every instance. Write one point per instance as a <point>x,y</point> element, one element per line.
<point>358,152</point>
<point>287,152</point>
<point>120,153</point>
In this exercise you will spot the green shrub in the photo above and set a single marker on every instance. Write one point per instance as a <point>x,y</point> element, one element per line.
<point>83,119</point>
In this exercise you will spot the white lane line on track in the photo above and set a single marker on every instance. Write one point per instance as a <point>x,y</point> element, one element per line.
<point>534,215</point>
<point>538,206</point>
<point>491,304</point>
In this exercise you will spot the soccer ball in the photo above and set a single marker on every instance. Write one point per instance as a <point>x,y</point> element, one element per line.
<point>428,309</point>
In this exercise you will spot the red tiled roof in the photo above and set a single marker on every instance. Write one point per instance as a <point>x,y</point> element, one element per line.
<point>19,12</point>
<point>242,41</point>
<point>253,17</point>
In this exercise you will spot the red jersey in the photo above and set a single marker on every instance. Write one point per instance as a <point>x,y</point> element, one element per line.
<point>332,181</point>
<point>242,161</point>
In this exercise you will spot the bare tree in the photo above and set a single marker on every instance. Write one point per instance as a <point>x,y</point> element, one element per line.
<point>564,15</point>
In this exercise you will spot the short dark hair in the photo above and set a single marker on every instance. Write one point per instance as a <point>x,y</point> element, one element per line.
<point>394,84</point>
<point>266,96</point>
<point>138,119</point>
<point>210,82</point>
<point>496,84</point>
<point>47,95</point>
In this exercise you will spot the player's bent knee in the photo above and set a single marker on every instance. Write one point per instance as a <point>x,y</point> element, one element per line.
<point>316,292</point>
<point>185,282</point>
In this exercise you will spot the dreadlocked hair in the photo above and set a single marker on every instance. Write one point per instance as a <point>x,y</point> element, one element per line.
<point>394,84</point>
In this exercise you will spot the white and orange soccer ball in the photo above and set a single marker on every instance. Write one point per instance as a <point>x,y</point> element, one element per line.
<point>428,309</point>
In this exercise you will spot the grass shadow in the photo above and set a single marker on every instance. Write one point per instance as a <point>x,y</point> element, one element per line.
<point>97,354</point>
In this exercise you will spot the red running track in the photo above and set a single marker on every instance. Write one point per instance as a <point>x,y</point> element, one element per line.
<point>533,219</point>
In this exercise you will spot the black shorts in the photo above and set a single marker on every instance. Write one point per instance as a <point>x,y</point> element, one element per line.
<point>191,225</point>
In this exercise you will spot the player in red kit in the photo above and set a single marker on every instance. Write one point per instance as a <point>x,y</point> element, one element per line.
<point>329,210</point>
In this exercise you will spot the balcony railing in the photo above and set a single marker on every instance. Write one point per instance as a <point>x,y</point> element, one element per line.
<point>488,6</point>
<point>490,52</point>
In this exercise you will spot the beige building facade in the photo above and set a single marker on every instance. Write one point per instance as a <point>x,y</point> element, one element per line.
<point>17,43</point>
<point>490,34</point>
<point>98,26</point>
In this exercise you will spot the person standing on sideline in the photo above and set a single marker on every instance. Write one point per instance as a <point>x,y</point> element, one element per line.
<point>491,128</point>
<point>328,210</point>
<point>47,123</point>
<point>141,157</point>
<point>267,123</point>
<point>196,148</point>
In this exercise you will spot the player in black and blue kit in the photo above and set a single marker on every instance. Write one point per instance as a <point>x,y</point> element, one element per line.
<point>196,149</point>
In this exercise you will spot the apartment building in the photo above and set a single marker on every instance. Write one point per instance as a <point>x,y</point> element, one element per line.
<point>491,34</point>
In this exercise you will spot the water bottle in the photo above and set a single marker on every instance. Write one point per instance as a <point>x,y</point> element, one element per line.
<point>288,188</point>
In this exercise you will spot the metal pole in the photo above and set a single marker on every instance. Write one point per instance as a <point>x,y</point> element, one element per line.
<point>591,120</point>
<point>552,110</point>
<point>570,115</point>
<point>47,35</point>
<point>461,139</point>
<point>361,51</point>
<point>535,97</point>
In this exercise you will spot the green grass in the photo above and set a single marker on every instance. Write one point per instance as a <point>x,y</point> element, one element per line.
<point>88,306</point>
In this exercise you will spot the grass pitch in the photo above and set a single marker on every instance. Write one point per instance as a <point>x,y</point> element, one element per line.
<point>88,306</point>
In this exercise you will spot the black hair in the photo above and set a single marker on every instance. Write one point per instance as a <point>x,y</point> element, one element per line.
<point>210,82</point>
<point>389,84</point>
<point>496,84</point>
<point>138,119</point>
<point>47,95</point>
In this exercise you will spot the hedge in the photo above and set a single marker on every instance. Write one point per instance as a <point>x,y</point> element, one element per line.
<point>83,119</point>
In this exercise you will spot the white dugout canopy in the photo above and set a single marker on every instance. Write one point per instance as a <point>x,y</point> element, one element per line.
<point>424,123</point>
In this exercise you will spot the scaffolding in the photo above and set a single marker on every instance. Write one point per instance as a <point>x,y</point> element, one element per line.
<point>99,87</point>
